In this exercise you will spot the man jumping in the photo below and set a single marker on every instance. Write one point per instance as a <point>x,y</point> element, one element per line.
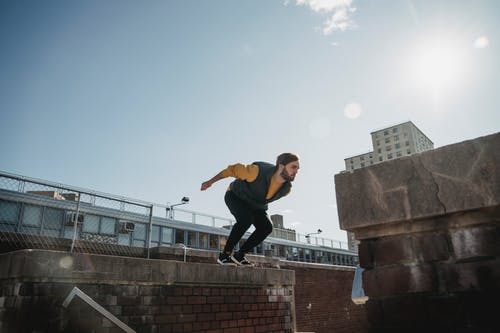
<point>247,197</point>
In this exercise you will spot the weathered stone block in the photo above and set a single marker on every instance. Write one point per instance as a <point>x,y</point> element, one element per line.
<point>431,246</point>
<point>481,275</point>
<point>400,279</point>
<point>459,177</point>
<point>365,253</point>
<point>480,241</point>
<point>392,250</point>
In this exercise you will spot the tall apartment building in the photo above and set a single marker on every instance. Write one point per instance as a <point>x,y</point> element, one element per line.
<point>388,143</point>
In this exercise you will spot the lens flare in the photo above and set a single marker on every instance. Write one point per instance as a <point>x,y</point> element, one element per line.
<point>352,110</point>
<point>481,42</point>
<point>66,262</point>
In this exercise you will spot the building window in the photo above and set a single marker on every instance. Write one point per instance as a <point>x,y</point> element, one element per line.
<point>388,148</point>
<point>396,138</point>
<point>408,151</point>
<point>395,130</point>
<point>362,165</point>
<point>398,145</point>
<point>389,156</point>
<point>387,140</point>
<point>380,158</point>
<point>386,132</point>
<point>399,154</point>
<point>407,143</point>
<point>107,226</point>
<point>203,240</point>
<point>405,135</point>
<point>362,158</point>
<point>378,142</point>
<point>91,224</point>
<point>379,150</point>
<point>179,236</point>
<point>191,238</point>
<point>352,161</point>
<point>9,212</point>
<point>166,235</point>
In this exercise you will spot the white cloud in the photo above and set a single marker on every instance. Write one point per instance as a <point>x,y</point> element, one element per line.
<point>339,12</point>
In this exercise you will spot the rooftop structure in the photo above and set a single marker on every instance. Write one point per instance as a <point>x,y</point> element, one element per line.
<point>389,143</point>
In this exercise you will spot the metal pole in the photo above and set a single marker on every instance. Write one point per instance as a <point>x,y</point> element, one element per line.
<point>75,223</point>
<point>150,228</point>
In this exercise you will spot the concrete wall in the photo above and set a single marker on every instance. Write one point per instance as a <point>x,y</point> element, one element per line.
<point>430,237</point>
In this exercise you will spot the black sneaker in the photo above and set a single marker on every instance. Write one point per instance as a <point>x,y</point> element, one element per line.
<point>225,259</point>
<point>240,259</point>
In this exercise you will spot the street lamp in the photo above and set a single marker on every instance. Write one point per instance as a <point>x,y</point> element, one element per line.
<point>308,236</point>
<point>170,208</point>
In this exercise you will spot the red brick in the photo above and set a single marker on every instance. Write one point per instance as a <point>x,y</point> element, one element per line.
<point>197,299</point>
<point>187,291</point>
<point>223,316</point>
<point>205,316</point>
<point>185,318</point>
<point>176,300</point>
<point>232,299</point>
<point>215,299</point>
<point>167,318</point>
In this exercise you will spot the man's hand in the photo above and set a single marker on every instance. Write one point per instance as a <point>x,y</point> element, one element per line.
<point>212,180</point>
<point>205,185</point>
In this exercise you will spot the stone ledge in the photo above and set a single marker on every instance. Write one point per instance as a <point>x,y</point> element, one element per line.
<point>55,266</point>
<point>455,178</point>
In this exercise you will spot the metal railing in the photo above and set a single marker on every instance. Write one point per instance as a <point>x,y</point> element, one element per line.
<point>49,215</point>
<point>87,299</point>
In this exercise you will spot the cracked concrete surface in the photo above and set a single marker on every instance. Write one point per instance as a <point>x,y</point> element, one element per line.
<point>459,177</point>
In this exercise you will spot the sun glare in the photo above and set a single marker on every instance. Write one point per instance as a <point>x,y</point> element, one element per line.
<point>438,66</point>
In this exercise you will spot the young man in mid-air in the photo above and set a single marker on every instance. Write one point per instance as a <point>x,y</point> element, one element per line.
<point>247,197</point>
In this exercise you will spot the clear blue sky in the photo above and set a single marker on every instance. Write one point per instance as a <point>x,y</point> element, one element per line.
<point>147,99</point>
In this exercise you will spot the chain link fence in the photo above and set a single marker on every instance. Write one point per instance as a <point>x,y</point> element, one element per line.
<point>43,215</point>
<point>38,214</point>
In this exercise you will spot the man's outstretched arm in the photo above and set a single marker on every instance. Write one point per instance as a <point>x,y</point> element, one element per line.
<point>238,170</point>
<point>208,183</point>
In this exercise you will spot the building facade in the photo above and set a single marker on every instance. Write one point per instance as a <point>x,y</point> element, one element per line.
<point>389,143</point>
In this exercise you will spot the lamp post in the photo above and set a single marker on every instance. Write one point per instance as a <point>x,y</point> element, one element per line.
<point>170,208</point>
<point>308,236</point>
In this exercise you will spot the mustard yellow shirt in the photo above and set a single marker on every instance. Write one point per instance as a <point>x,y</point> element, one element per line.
<point>250,173</point>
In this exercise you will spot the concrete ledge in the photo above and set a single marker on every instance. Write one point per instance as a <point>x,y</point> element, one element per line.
<point>55,266</point>
<point>455,178</point>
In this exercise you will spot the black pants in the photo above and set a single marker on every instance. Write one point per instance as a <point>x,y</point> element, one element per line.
<point>245,217</point>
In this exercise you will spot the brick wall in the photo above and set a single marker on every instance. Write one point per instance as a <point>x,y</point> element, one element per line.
<point>172,296</point>
<point>146,308</point>
<point>430,238</point>
<point>153,296</point>
<point>323,300</point>
<point>322,292</point>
